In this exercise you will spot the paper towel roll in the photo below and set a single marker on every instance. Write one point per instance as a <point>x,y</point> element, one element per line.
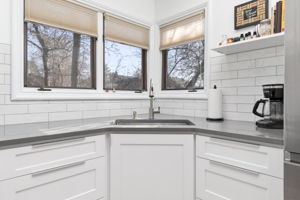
<point>215,104</point>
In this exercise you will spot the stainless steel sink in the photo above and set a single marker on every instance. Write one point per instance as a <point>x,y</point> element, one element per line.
<point>160,122</point>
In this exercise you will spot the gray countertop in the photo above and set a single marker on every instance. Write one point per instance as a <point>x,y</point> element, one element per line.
<point>26,134</point>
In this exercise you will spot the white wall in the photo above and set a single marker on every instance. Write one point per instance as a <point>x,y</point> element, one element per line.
<point>138,9</point>
<point>5,21</point>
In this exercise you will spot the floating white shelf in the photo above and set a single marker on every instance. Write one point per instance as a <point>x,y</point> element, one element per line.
<point>254,44</point>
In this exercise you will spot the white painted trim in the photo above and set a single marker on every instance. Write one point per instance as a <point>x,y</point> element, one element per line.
<point>19,92</point>
<point>182,94</point>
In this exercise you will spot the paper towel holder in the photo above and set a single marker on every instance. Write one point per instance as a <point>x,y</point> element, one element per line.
<point>215,119</point>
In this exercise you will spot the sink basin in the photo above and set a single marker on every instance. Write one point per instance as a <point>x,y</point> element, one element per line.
<point>166,122</point>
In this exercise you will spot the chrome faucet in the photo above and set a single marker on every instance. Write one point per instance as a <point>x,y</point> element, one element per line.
<point>151,96</point>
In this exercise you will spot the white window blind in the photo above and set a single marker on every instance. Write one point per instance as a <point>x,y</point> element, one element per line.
<point>126,32</point>
<point>62,14</point>
<point>183,31</point>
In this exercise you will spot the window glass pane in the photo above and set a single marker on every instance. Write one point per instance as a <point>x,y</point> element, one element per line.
<point>58,58</point>
<point>123,67</point>
<point>185,66</point>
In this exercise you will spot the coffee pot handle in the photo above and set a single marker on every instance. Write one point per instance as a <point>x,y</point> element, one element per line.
<point>255,112</point>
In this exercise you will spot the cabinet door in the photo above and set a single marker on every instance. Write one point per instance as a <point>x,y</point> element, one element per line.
<point>29,159</point>
<point>218,181</point>
<point>265,160</point>
<point>152,167</point>
<point>83,180</point>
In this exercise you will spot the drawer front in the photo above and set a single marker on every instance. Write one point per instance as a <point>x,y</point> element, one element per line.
<point>257,158</point>
<point>218,181</point>
<point>28,159</point>
<point>77,181</point>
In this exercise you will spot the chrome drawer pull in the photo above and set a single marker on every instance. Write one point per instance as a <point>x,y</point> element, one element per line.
<point>44,171</point>
<point>234,167</point>
<point>51,143</point>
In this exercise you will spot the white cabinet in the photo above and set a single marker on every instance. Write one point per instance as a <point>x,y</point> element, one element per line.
<point>266,160</point>
<point>234,171</point>
<point>29,159</point>
<point>219,181</point>
<point>77,181</point>
<point>152,167</point>
<point>64,170</point>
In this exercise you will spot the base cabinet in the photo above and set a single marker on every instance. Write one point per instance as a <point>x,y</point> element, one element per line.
<point>218,181</point>
<point>152,167</point>
<point>70,178</point>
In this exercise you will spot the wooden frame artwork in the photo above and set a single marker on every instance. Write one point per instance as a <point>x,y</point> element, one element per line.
<point>250,13</point>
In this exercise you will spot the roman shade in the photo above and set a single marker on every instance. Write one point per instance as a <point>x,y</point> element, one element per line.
<point>62,14</point>
<point>183,31</point>
<point>123,31</point>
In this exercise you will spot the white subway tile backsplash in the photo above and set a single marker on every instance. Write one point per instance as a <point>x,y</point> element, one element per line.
<point>269,80</point>
<point>238,116</point>
<point>229,107</point>
<point>1,120</point>
<point>229,91</point>
<point>95,113</point>
<point>280,51</point>
<point>270,61</point>
<point>4,69</point>
<point>25,118</point>
<point>266,71</point>
<point>2,79</point>
<point>238,99</point>
<point>4,49</point>
<point>40,108</point>
<point>257,90</point>
<point>7,59</point>
<point>4,89</point>
<point>238,82</point>
<point>216,68</point>
<point>13,109</point>
<point>224,75</point>
<point>2,59</point>
<point>81,106</point>
<point>238,65</point>
<point>280,70</point>
<point>223,59</point>
<point>262,53</point>
<point>246,108</point>
<point>57,116</point>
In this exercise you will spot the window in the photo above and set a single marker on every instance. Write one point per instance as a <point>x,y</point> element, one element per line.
<point>56,58</point>
<point>125,67</point>
<point>184,66</point>
<point>59,53</point>
<point>125,49</point>
<point>183,54</point>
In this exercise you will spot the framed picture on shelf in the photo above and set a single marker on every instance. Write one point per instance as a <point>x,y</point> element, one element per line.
<point>250,13</point>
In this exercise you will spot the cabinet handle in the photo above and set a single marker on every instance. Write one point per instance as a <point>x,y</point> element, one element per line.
<point>234,167</point>
<point>233,143</point>
<point>44,171</point>
<point>50,143</point>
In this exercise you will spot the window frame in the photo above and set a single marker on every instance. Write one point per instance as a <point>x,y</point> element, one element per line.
<point>144,54</point>
<point>164,73</point>
<point>92,61</point>
<point>21,93</point>
<point>186,94</point>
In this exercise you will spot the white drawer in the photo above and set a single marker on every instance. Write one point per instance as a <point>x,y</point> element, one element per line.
<point>257,158</point>
<point>29,159</point>
<point>84,180</point>
<point>218,181</point>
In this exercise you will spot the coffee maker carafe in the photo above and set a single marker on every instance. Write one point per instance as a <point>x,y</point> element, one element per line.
<point>272,107</point>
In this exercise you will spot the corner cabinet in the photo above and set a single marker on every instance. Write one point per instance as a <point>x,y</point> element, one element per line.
<point>234,171</point>
<point>152,167</point>
<point>64,170</point>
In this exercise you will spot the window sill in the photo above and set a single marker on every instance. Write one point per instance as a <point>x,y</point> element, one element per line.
<point>63,94</point>
<point>175,94</point>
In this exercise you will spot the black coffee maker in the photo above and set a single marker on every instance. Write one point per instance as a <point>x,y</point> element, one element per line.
<point>272,112</point>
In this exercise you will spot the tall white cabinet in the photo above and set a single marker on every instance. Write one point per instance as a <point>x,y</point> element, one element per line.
<point>152,167</point>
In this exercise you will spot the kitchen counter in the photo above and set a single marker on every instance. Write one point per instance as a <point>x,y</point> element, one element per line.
<point>26,134</point>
